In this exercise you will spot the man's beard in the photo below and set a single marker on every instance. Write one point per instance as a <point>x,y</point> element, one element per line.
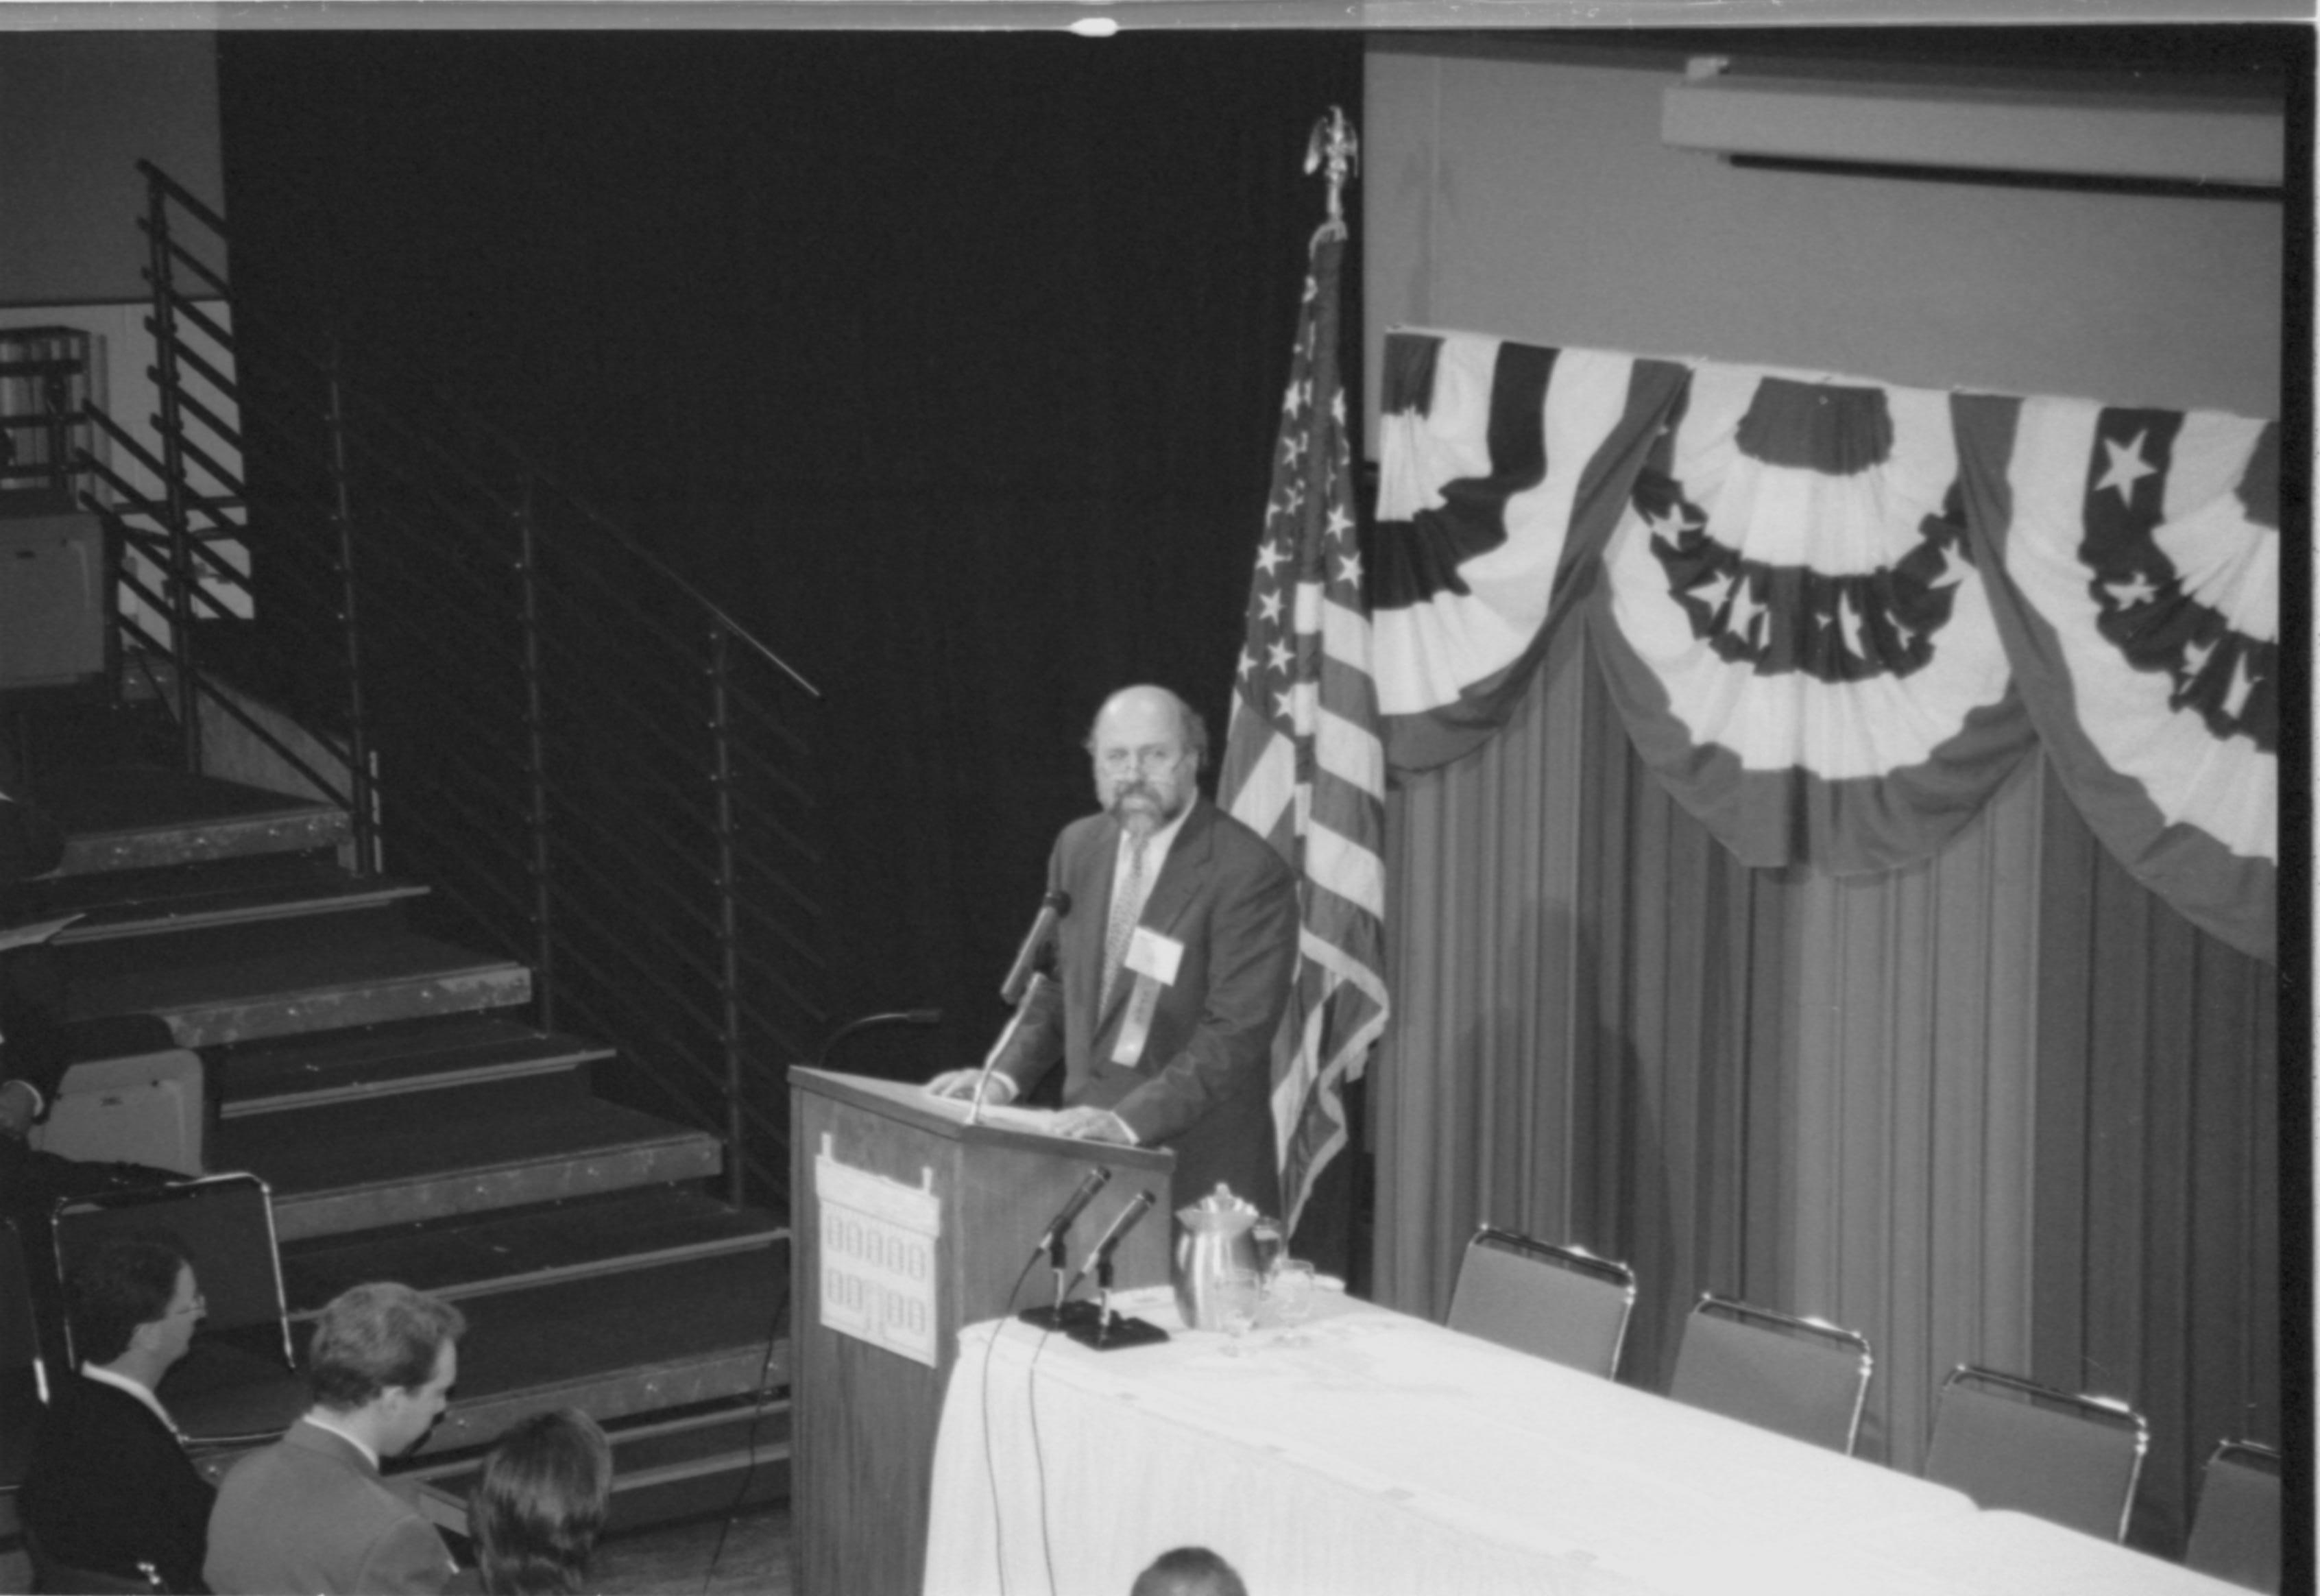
<point>1146,820</point>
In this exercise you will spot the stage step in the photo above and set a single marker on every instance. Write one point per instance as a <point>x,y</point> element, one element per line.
<point>197,897</point>
<point>279,1074</point>
<point>276,978</point>
<point>138,818</point>
<point>348,1166</point>
<point>696,1331</point>
<point>475,1256</point>
<point>413,1123</point>
<point>712,1460</point>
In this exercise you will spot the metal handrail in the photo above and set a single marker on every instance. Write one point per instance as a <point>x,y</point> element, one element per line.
<point>581,788</point>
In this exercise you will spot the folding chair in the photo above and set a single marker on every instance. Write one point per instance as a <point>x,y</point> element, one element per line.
<point>2235,1529</point>
<point>2012,1443</point>
<point>237,1385</point>
<point>1561,1303</point>
<point>51,1576</point>
<point>1802,1377</point>
<point>23,1377</point>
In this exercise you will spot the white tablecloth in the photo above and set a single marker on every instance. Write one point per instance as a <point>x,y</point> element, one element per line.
<point>1387,1454</point>
<point>1991,1554</point>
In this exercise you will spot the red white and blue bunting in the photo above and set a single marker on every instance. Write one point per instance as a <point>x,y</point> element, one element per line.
<point>1502,467</point>
<point>1794,630</point>
<point>2139,557</point>
<point>1836,616</point>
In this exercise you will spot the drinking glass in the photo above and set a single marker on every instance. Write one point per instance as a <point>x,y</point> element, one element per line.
<point>1272,1246</point>
<point>1239,1295</point>
<point>1290,1290</point>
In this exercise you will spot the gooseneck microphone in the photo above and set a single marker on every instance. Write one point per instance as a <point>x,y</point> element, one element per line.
<point>1052,908</point>
<point>1052,1242</point>
<point>892,1017</point>
<point>1007,1034</point>
<point>1100,1260</point>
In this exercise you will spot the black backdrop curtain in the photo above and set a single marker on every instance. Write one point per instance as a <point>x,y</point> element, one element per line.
<point>948,362</point>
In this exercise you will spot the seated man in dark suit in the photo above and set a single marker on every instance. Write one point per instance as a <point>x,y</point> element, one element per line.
<point>110,1485</point>
<point>310,1513</point>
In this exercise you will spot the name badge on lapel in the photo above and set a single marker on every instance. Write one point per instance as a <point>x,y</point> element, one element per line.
<point>1151,954</point>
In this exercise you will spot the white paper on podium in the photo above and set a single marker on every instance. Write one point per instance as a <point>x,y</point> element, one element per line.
<point>1037,1121</point>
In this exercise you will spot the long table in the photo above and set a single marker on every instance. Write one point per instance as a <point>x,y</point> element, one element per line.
<point>1990,1554</point>
<point>1385,1453</point>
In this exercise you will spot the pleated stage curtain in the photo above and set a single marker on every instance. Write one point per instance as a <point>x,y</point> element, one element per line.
<point>1932,1104</point>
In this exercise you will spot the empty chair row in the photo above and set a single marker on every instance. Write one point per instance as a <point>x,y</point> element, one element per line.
<point>2005,1441</point>
<point>1801,1377</point>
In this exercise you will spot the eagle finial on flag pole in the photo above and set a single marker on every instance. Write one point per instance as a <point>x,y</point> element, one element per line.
<point>1334,144</point>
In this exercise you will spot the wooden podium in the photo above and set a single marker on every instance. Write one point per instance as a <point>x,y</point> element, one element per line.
<point>906,1224</point>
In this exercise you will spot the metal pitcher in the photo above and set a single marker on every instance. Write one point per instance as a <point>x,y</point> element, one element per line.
<point>1212,1239</point>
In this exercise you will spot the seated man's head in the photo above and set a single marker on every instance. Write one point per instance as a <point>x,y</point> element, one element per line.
<point>135,1303</point>
<point>382,1362</point>
<point>1189,1570</point>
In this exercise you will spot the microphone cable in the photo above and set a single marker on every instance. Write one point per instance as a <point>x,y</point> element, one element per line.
<point>990,1456</point>
<point>1039,1455</point>
<point>750,1472</point>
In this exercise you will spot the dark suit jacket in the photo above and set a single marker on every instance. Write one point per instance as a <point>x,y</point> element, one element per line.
<point>310,1514</point>
<point>1203,1085</point>
<point>110,1486</point>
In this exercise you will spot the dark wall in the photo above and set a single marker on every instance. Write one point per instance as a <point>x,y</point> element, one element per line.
<point>949,362</point>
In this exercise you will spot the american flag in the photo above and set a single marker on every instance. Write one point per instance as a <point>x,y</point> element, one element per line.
<point>1303,764</point>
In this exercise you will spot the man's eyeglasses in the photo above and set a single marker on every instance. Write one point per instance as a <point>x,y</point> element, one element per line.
<point>1120,760</point>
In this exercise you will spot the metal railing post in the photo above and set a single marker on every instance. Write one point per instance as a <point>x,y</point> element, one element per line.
<point>343,520</point>
<point>721,732</point>
<point>543,910</point>
<point>171,422</point>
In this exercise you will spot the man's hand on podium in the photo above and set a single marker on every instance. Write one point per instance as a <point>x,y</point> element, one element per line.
<point>960,1083</point>
<point>1093,1125</point>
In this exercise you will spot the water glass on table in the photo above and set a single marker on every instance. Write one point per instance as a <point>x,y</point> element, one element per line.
<point>1239,1292</point>
<point>1288,1290</point>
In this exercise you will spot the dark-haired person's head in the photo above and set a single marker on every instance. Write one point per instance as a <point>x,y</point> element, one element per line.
<point>537,1507</point>
<point>1189,1570</point>
<point>388,1351</point>
<point>125,1283</point>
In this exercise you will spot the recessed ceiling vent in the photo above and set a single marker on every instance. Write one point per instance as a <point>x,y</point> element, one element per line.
<point>2102,135</point>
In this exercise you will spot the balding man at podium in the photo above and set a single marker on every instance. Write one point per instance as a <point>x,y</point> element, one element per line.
<point>1173,964</point>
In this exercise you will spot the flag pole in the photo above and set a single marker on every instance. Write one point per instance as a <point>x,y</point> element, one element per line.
<point>1334,144</point>
<point>1303,765</point>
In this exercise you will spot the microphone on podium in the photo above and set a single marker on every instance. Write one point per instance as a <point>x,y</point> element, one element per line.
<point>1052,908</point>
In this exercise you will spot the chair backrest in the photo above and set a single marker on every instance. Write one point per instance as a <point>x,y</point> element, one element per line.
<point>19,1330</point>
<point>2012,1443</point>
<point>23,1377</point>
<point>48,1576</point>
<point>1562,1303</point>
<point>1802,1377</point>
<point>2235,1529</point>
<point>225,1222</point>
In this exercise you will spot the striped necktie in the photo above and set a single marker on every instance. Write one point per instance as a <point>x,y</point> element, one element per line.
<point>1127,908</point>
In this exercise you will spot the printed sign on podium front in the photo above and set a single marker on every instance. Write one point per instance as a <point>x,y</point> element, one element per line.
<point>878,1239</point>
